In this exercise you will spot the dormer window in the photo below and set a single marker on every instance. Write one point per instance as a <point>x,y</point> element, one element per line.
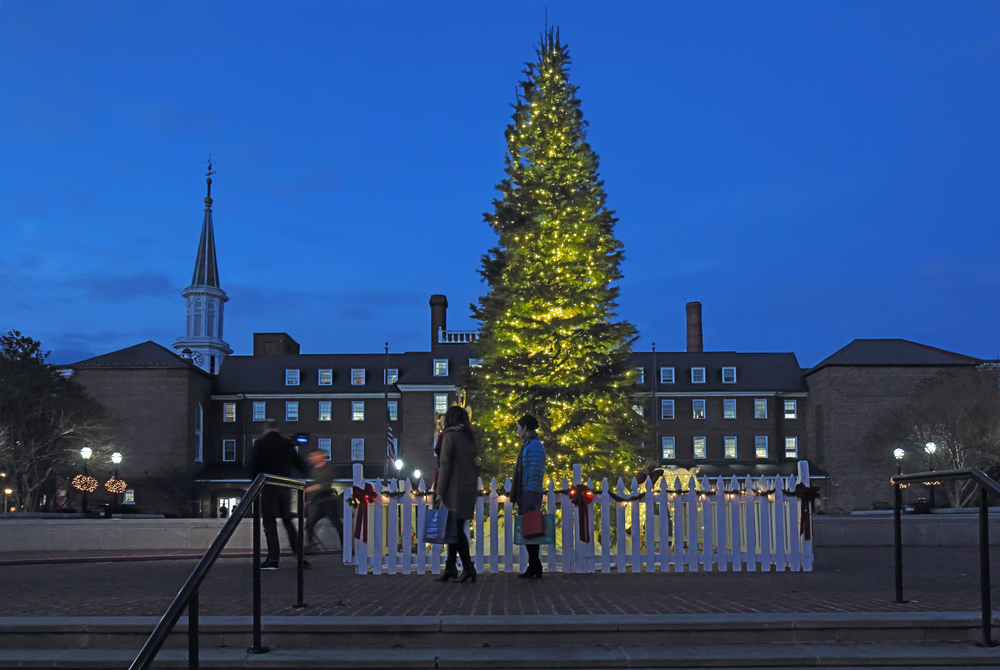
<point>357,377</point>
<point>440,367</point>
<point>666,375</point>
<point>729,375</point>
<point>640,375</point>
<point>697,375</point>
<point>291,377</point>
<point>391,375</point>
<point>326,377</point>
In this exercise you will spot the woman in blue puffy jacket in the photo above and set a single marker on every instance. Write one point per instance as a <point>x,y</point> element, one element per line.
<point>529,483</point>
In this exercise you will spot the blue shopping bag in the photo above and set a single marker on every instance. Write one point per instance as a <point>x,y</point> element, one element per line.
<point>441,527</point>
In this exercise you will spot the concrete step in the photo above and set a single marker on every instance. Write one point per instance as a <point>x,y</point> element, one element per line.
<point>862,655</point>
<point>501,631</point>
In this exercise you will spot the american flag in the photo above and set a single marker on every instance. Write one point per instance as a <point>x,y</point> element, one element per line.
<point>390,444</point>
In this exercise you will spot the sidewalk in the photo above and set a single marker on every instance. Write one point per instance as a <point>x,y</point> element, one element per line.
<point>937,579</point>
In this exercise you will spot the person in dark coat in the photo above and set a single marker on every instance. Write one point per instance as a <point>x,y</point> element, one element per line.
<point>456,488</point>
<point>529,483</point>
<point>322,498</point>
<point>275,454</point>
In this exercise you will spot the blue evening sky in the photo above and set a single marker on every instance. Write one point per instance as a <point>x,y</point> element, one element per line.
<point>813,172</point>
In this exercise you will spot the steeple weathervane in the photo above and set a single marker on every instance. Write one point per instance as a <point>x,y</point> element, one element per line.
<point>208,198</point>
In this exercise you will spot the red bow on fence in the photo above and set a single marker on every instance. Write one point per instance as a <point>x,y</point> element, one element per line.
<point>581,496</point>
<point>806,496</point>
<point>363,496</point>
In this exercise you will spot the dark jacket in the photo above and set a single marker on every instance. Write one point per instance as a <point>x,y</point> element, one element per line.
<point>458,474</point>
<point>275,454</point>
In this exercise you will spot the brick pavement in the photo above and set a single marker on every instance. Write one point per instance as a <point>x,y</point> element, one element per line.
<point>844,580</point>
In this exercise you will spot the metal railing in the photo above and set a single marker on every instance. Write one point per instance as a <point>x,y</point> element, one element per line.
<point>986,484</point>
<point>188,595</point>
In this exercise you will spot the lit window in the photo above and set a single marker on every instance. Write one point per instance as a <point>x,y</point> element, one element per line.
<point>697,375</point>
<point>229,450</point>
<point>791,409</point>
<point>229,412</point>
<point>357,448</point>
<point>129,498</point>
<point>697,409</point>
<point>791,447</point>
<point>358,410</point>
<point>391,375</point>
<point>666,375</point>
<point>666,409</point>
<point>728,375</point>
<point>326,377</point>
<point>730,445</point>
<point>357,377</point>
<point>292,411</point>
<point>291,377</point>
<point>199,435</point>
<point>729,408</point>
<point>325,410</point>
<point>440,367</point>
<point>393,410</point>
<point>700,447</point>
<point>640,375</point>
<point>440,403</point>
<point>259,411</point>
<point>667,448</point>
<point>475,362</point>
<point>324,444</point>
<point>638,409</point>
<point>760,446</point>
<point>760,408</point>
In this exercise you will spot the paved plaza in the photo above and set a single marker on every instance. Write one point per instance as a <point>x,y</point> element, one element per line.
<point>937,579</point>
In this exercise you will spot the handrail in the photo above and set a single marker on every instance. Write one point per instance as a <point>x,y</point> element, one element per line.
<point>188,595</point>
<point>986,484</point>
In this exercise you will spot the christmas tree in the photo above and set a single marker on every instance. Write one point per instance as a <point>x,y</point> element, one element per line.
<point>550,341</point>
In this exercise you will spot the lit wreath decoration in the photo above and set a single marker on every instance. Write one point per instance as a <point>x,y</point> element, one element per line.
<point>85,483</point>
<point>115,485</point>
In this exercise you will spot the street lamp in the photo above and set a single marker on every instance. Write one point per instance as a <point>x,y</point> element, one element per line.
<point>85,453</point>
<point>6,492</point>
<point>898,453</point>
<point>416,475</point>
<point>399,465</point>
<point>930,448</point>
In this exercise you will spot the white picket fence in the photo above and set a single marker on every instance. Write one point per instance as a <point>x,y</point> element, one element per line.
<point>712,524</point>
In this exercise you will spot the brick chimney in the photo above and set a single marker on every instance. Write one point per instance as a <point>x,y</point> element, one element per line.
<point>439,316</point>
<point>694,341</point>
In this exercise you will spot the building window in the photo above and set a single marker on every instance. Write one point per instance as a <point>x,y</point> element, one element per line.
<point>640,375</point>
<point>760,446</point>
<point>729,408</point>
<point>325,410</point>
<point>292,411</point>
<point>666,409</point>
<point>697,409</point>
<point>791,409</point>
<point>728,375</point>
<point>638,409</point>
<point>324,444</point>
<point>393,410</point>
<point>791,447</point>
<point>391,375</point>
<point>697,375</point>
<point>229,412</point>
<point>229,450</point>
<point>440,403</point>
<point>326,377</point>
<point>440,367</point>
<point>129,497</point>
<point>199,435</point>
<point>259,411</point>
<point>700,447</point>
<point>357,448</point>
<point>730,446</point>
<point>357,377</point>
<point>667,449</point>
<point>475,362</point>
<point>760,408</point>
<point>666,375</point>
<point>291,377</point>
<point>358,410</point>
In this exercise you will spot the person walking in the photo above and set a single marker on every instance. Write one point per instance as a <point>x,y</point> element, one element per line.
<point>456,487</point>
<point>529,483</point>
<point>274,454</point>
<point>322,499</point>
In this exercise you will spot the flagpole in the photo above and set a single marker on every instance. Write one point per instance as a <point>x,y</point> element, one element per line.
<point>385,390</point>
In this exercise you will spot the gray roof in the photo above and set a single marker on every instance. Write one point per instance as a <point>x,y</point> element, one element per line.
<point>149,354</point>
<point>206,270</point>
<point>892,352</point>
<point>754,371</point>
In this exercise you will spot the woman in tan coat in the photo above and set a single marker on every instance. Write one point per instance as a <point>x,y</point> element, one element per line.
<point>456,488</point>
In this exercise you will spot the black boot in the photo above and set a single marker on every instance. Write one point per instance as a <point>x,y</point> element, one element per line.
<point>450,571</point>
<point>467,573</point>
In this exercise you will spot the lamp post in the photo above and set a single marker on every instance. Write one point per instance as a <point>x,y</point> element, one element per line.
<point>416,476</point>
<point>399,466</point>
<point>116,458</point>
<point>6,493</point>
<point>930,448</point>
<point>85,454</point>
<point>898,453</point>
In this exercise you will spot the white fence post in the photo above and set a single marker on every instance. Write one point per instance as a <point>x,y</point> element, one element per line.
<point>480,566</point>
<point>604,500</point>
<point>508,528</point>
<point>392,536</point>
<point>407,539</point>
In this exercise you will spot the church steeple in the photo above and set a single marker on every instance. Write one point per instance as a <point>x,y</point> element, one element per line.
<point>202,341</point>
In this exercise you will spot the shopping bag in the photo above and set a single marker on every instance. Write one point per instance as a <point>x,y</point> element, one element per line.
<point>441,527</point>
<point>549,521</point>
<point>532,524</point>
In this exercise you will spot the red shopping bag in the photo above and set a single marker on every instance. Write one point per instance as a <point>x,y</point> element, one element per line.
<point>532,524</point>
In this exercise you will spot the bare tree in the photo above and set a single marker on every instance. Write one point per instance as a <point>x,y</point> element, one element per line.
<point>959,412</point>
<point>171,490</point>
